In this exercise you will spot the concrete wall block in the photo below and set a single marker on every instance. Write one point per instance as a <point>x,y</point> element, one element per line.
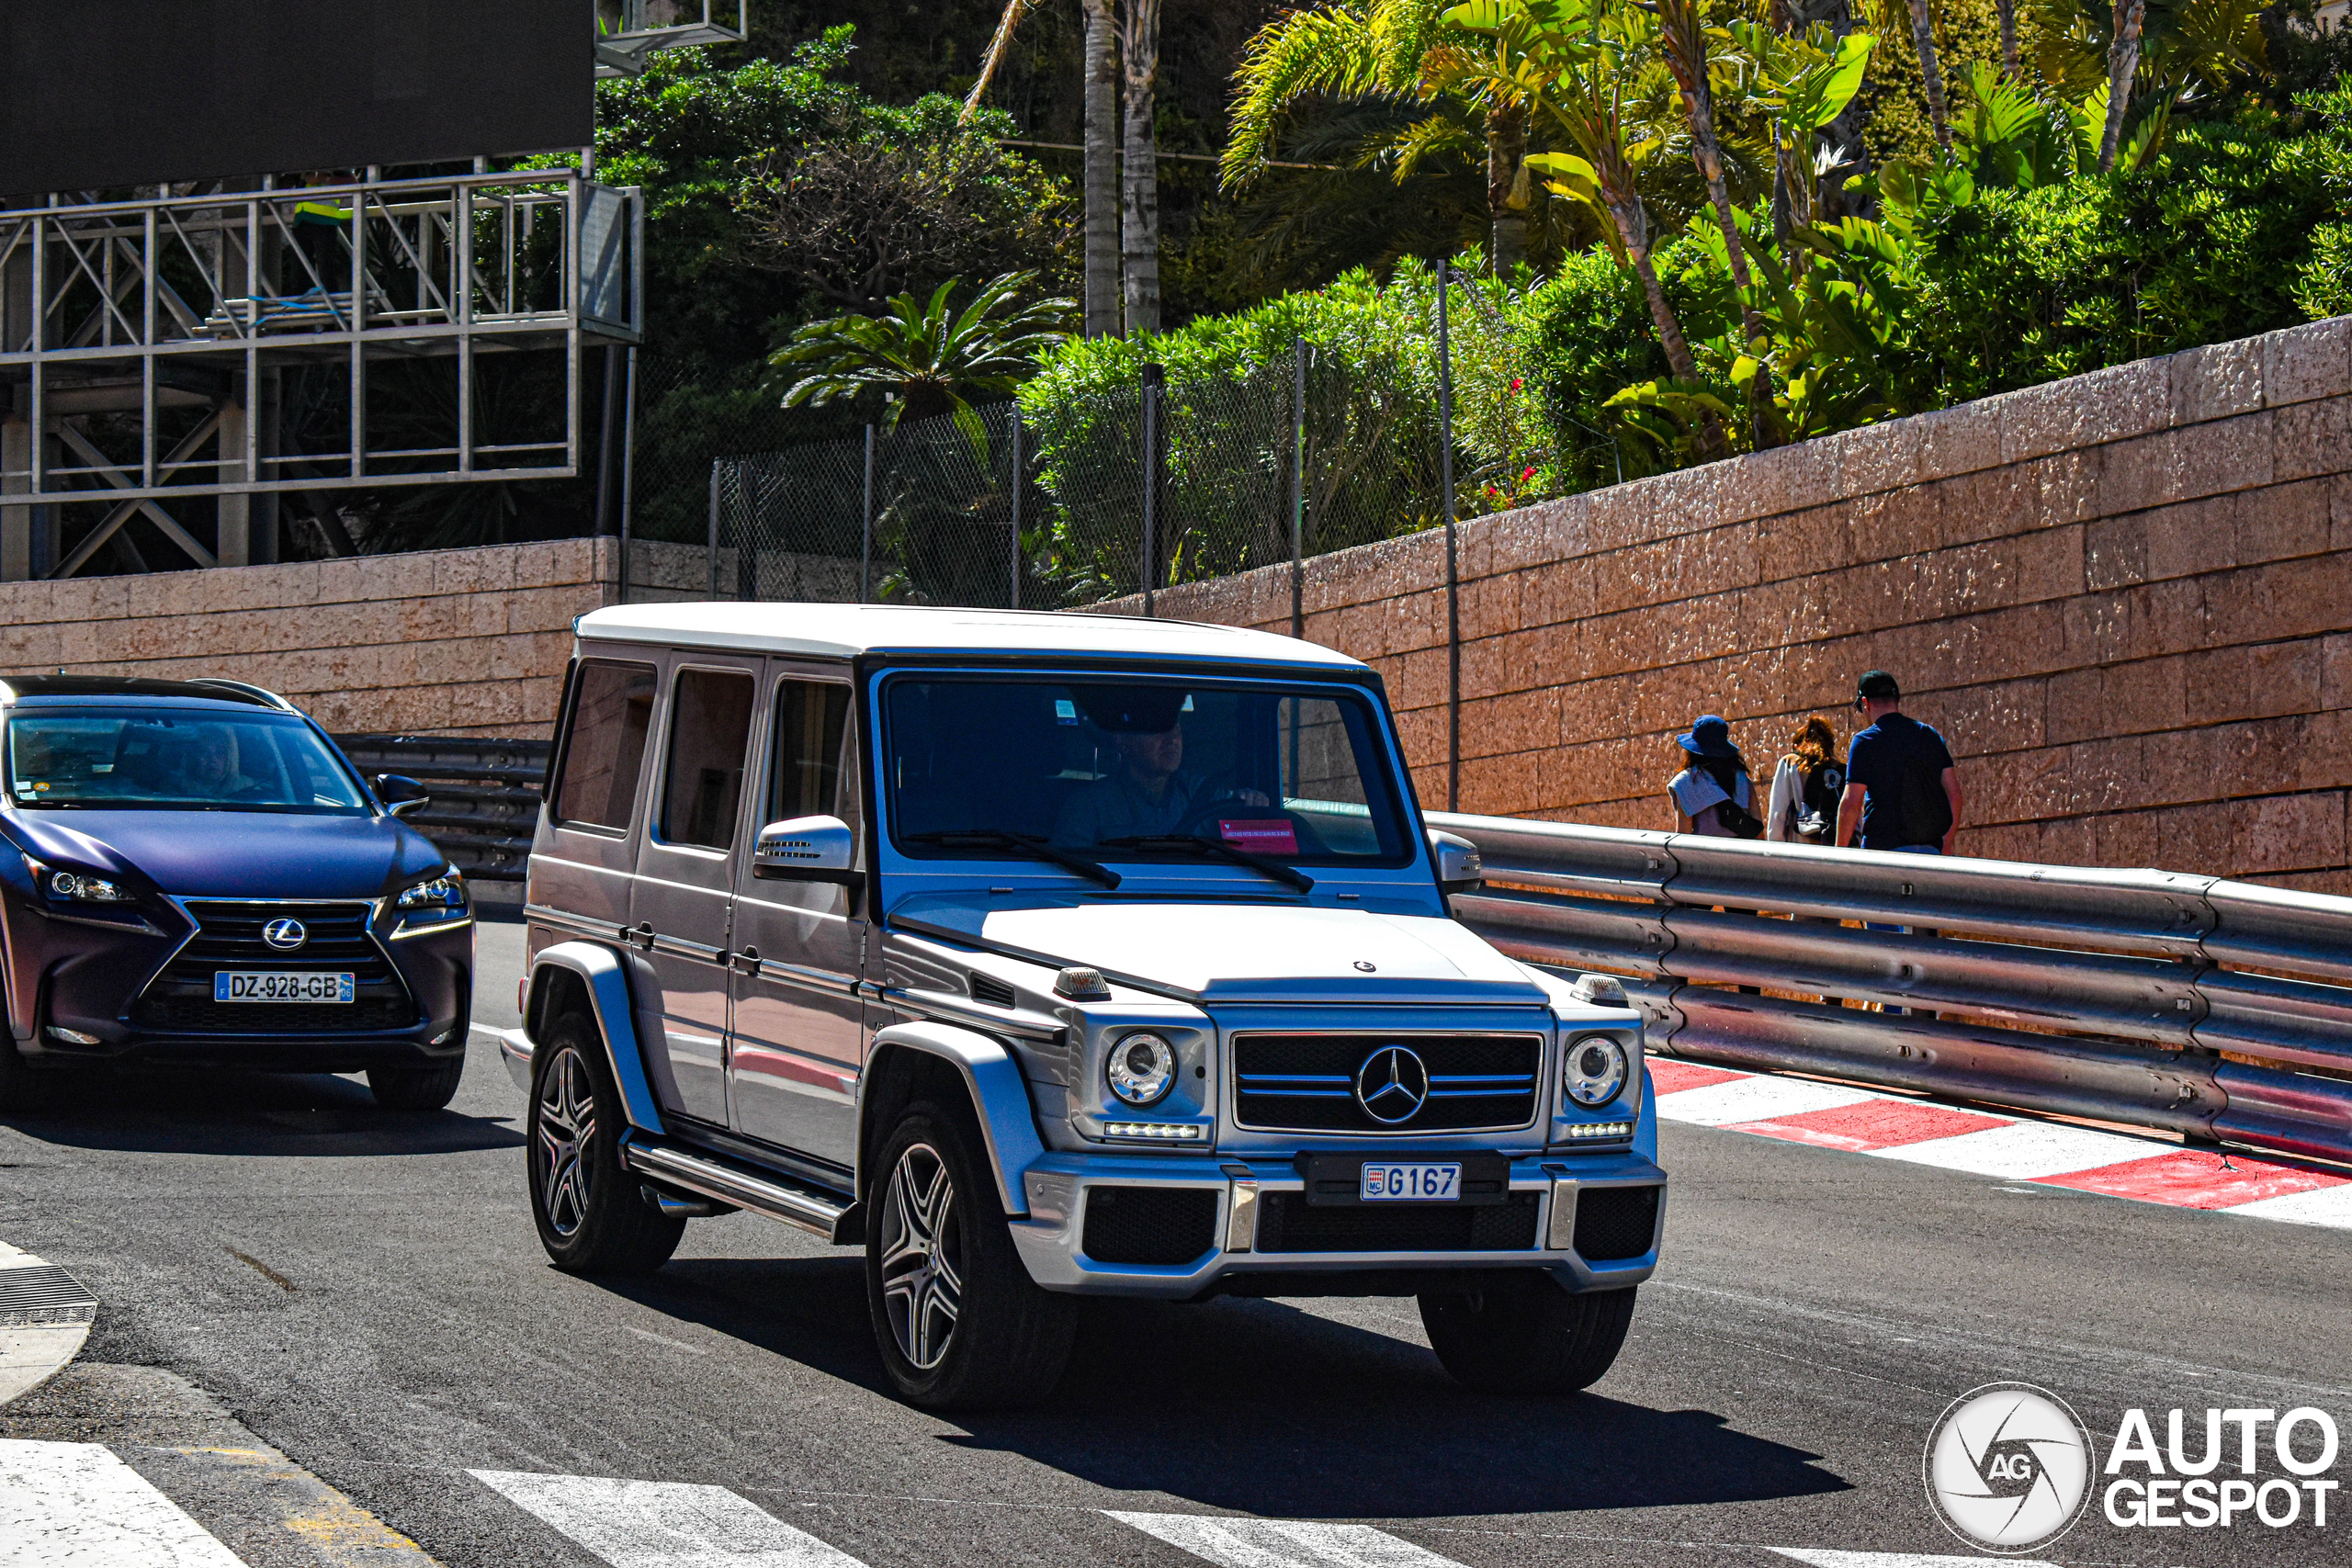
<point>1798,543</point>
<point>2226,455</point>
<point>2312,438</point>
<point>2067,488</point>
<point>2278,601</point>
<point>2217,380</point>
<point>2142,474</point>
<point>2306,362</point>
<point>2282,522</point>
<point>2085,411</point>
<point>2288,832</point>
<point>1490,606</point>
<point>2335,671</point>
<point>1959,440</point>
<point>1996,717</point>
<point>2190,537</point>
<point>2253,680</point>
<point>1878,456</point>
<point>2339,511</point>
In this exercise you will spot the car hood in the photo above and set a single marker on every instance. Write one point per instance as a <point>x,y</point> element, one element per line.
<point>1243,952</point>
<point>234,855</point>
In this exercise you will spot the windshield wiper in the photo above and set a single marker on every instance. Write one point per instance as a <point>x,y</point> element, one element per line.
<point>1263,865</point>
<point>1021,843</point>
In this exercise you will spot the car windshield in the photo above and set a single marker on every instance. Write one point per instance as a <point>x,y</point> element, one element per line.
<point>175,759</point>
<point>1134,770</point>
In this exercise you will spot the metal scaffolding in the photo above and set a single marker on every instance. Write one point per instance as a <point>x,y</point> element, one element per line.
<point>149,348</point>
<point>629,30</point>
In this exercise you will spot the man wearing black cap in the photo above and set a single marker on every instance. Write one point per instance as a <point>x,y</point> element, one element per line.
<point>1902,791</point>
<point>1149,791</point>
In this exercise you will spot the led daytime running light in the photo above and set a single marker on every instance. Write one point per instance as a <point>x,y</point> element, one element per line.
<point>1156,1131</point>
<point>1600,1130</point>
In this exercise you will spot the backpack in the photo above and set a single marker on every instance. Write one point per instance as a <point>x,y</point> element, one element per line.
<point>1817,801</point>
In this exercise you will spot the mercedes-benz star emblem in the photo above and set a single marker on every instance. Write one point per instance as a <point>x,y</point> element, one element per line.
<point>284,935</point>
<point>1392,1085</point>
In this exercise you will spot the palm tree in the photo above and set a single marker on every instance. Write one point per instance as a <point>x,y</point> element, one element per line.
<point>1099,180</point>
<point>1682,37</point>
<point>1139,173</point>
<point>1931,75</point>
<point>1572,63</point>
<point>2122,64</point>
<point>1377,51</point>
<point>929,359</point>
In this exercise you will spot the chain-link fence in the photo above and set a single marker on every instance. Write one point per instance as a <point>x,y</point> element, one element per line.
<point>1088,499</point>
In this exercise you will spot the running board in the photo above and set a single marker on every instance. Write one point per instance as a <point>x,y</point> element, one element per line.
<point>794,1205</point>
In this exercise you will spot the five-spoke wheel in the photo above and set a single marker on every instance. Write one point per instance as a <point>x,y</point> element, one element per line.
<point>566,1121</point>
<point>591,1216</point>
<point>922,1285</point>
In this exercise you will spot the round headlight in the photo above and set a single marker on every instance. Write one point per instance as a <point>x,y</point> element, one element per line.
<point>1594,1071</point>
<point>1142,1069</point>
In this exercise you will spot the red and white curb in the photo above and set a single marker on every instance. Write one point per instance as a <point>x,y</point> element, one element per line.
<point>2009,1148</point>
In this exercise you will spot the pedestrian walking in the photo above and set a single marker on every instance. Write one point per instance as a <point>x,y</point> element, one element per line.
<point>1902,791</point>
<point>1712,795</point>
<point>1803,806</point>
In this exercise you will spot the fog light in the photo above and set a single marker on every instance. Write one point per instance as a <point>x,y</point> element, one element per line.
<point>1600,1130</point>
<point>72,1036</point>
<point>1158,1131</point>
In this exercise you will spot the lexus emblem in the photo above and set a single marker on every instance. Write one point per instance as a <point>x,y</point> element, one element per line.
<point>284,935</point>
<point>1392,1085</point>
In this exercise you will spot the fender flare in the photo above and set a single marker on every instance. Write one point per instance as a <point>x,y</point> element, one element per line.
<point>1000,1096</point>
<point>600,969</point>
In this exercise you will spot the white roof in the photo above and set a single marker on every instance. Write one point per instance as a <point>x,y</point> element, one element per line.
<point>841,631</point>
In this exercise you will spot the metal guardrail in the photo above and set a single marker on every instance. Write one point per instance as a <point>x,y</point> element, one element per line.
<point>485,802</point>
<point>2220,1011</point>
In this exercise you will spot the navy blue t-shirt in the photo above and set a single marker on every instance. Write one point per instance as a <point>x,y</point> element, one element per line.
<point>1881,757</point>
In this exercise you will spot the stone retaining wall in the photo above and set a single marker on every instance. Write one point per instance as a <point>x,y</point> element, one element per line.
<point>2126,599</point>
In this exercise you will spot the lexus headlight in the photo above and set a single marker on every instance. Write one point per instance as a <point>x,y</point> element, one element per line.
<point>1593,1072</point>
<point>85,889</point>
<point>1142,1068</point>
<point>447,891</point>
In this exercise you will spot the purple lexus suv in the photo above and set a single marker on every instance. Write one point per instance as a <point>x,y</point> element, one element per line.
<point>194,876</point>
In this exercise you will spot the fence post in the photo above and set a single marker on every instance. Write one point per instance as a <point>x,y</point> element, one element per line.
<point>1017,487</point>
<point>1298,491</point>
<point>1154,377</point>
<point>1453,560</point>
<point>866,528</point>
<point>714,527</point>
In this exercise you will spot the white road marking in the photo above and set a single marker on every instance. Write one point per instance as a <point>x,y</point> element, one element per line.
<point>2023,1150</point>
<point>1283,1543</point>
<point>1758,1099</point>
<point>2321,1206</point>
<point>663,1524</point>
<point>1824,1559</point>
<point>76,1506</point>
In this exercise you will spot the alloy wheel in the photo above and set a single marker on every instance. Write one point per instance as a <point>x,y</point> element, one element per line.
<point>923,1276</point>
<point>567,1121</point>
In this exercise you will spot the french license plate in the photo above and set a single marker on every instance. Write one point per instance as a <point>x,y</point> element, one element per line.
<point>1410,1181</point>
<point>280,985</point>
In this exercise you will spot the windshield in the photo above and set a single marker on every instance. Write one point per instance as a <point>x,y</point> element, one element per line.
<point>175,759</point>
<point>1130,770</point>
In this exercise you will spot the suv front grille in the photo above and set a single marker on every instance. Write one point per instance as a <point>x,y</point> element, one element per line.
<point>228,936</point>
<point>1308,1083</point>
<point>1288,1223</point>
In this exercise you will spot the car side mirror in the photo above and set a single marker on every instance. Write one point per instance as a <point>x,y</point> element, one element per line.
<point>807,849</point>
<point>401,794</point>
<point>1459,868</point>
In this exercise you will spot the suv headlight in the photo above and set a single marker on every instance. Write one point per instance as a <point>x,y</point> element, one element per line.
<point>447,891</point>
<point>83,889</point>
<point>1141,1069</point>
<point>1593,1072</point>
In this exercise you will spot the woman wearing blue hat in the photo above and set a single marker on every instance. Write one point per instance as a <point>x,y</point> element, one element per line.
<point>1712,795</point>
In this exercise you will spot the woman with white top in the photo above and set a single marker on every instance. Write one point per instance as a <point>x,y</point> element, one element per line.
<point>1714,775</point>
<point>1805,788</point>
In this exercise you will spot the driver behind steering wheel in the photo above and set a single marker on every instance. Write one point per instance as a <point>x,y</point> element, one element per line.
<point>1149,791</point>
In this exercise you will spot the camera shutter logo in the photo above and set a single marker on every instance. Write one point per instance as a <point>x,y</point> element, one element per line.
<point>2009,1467</point>
<point>1391,1084</point>
<point>284,935</point>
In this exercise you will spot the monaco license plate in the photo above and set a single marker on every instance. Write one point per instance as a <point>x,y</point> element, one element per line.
<point>1410,1181</point>
<point>280,985</point>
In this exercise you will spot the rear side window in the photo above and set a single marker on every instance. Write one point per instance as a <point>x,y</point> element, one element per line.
<point>811,717</point>
<point>710,725</point>
<point>610,717</point>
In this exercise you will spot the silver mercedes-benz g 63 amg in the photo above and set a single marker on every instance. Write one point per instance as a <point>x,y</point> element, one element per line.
<point>1048,956</point>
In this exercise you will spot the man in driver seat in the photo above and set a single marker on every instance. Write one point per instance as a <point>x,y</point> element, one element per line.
<point>1148,792</point>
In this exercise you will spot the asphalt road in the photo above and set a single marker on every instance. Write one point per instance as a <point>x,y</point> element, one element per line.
<point>365,1291</point>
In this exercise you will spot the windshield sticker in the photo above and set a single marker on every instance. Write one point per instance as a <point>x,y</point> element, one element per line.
<point>1272,836</point>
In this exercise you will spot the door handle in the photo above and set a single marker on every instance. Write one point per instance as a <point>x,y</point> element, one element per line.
<point>644,935</point>
<point>748,961</point>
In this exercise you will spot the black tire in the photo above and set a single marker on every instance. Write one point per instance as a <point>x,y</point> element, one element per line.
<point>933,1213</point>
<point>416,1089</point>
<point>592,1218</point>
<point>1522,1333</point>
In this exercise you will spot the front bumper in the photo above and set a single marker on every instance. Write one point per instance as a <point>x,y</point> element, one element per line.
<point>1057,1188</point>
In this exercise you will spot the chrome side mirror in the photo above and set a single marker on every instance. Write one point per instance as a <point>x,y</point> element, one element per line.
<point>807,849</point>
<point>400,794</point>
<point>1459,869</point>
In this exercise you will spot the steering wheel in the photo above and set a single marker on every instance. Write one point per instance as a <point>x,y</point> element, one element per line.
<point>1222,799</point>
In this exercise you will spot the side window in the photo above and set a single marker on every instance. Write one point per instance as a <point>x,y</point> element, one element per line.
<point>811,724</point>
<point>609,719</point>
<point>710,725</point>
